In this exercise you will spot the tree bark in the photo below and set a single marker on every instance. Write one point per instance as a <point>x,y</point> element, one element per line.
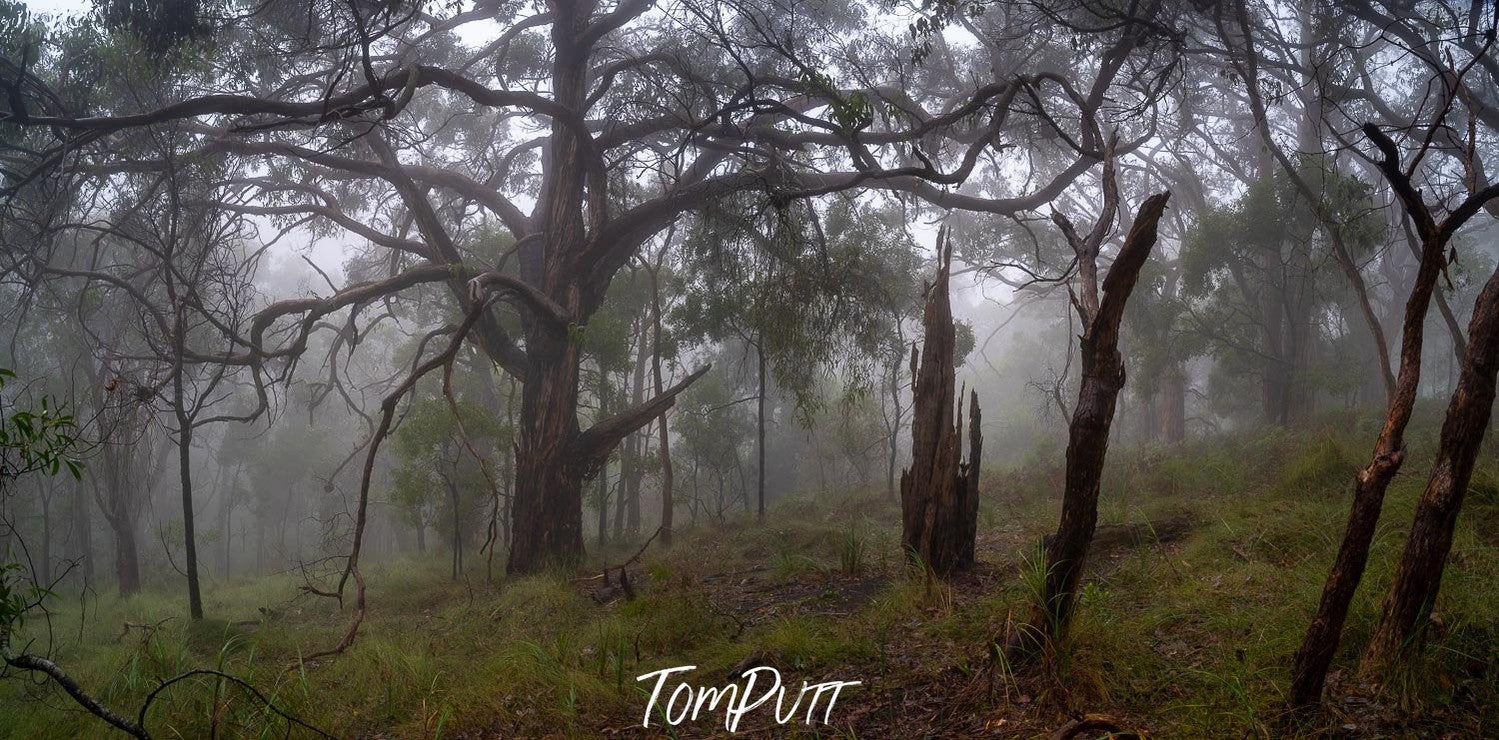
<point>1309,667</point>
<point>453,500</point>
<point>939,493</point>
<point>661,427</point>
<point>602,479</point>
<point>548,506</point>
<point>893,450</point>
<point>1413,593</point>
<point>1088,435</point>
<point>84,532</point>
<point>185,473</point>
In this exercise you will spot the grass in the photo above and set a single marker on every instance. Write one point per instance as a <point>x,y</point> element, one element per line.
<point>1184,638</point>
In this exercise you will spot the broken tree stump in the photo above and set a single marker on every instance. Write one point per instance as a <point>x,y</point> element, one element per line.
<point>939,493</point>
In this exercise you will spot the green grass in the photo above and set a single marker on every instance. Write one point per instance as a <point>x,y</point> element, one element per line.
<point>1185,638</point>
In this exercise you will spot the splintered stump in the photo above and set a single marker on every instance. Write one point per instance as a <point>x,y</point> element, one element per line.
<point>939,493</point>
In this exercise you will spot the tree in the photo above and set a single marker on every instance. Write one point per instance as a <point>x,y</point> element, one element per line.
<point>615,121</point>
<point>1413,594</point>
<point>1088,433</point>
<point>804,291</point>
<point>939,493</point>
<point>1317,649</point>
<point>438,477</point>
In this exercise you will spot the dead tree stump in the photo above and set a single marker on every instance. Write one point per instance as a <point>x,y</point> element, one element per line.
<point>939,493</point>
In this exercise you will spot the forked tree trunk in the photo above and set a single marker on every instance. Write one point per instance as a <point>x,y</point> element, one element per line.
<point>1088,434</point>
<point>1309,667</point>
<point>1414,590</point>
<point>939,493</point>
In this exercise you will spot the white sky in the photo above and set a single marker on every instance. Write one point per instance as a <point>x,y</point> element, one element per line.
<point>58,7</point>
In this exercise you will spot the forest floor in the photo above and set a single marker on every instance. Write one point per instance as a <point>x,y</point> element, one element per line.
<point>1209,560</point>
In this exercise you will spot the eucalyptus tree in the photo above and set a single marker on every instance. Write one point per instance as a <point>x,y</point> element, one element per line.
<point>614,120</point>
<point>808,291</point>
<point>1259,280</point>
<point>438,472</point>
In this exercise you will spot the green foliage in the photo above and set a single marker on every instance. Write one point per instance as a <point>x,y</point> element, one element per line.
<point>161,26</point>
<point>37,439</point>
<point>435,464</point>
<point>813,291</point>
<point>851,556</point>
<point>15,598</point>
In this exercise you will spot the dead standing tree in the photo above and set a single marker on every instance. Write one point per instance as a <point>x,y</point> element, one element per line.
<point>1102,379</point>
<point>939,493</point>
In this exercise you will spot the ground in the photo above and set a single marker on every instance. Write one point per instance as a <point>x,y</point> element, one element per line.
<point>1208,564</point>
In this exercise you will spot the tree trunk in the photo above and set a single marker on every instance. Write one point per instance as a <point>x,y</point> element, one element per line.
<point>939,493</point>
<point>84,532</point>
<point>184,456</point>
<point>894,429</point>
<point>1088,435</point>
<point>1413,593</point>
<point>661,427</point>
<point>602,478</point>
<point>760,429</point>
<point>44,576</point>
<point>1309,667</point>
<point>127,558</point>
<point>453,500</point>
<point>636,442</point>
<point>548,500</point>
<point>1173,406</point>
<point>226,514</point>
<point>184,469</point>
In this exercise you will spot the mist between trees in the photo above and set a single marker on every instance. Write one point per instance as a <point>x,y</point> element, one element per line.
<point>297,290</point>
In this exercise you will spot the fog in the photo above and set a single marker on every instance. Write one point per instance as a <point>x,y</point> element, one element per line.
<point>329,312</point>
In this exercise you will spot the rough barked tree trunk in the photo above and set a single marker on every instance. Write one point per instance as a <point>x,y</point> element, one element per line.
<point>1088,434</point>
<point>548,509</point>
<point>1309,667</point>
<point>1414,590</point>
<point>939,494</point>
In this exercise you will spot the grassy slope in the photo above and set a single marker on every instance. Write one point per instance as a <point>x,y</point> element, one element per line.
<point>1185,630</point>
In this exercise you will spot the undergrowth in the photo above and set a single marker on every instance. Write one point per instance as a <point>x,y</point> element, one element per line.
<point>1189,636</point>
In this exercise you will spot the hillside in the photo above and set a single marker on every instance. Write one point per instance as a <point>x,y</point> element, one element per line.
<point>1208,562</point>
